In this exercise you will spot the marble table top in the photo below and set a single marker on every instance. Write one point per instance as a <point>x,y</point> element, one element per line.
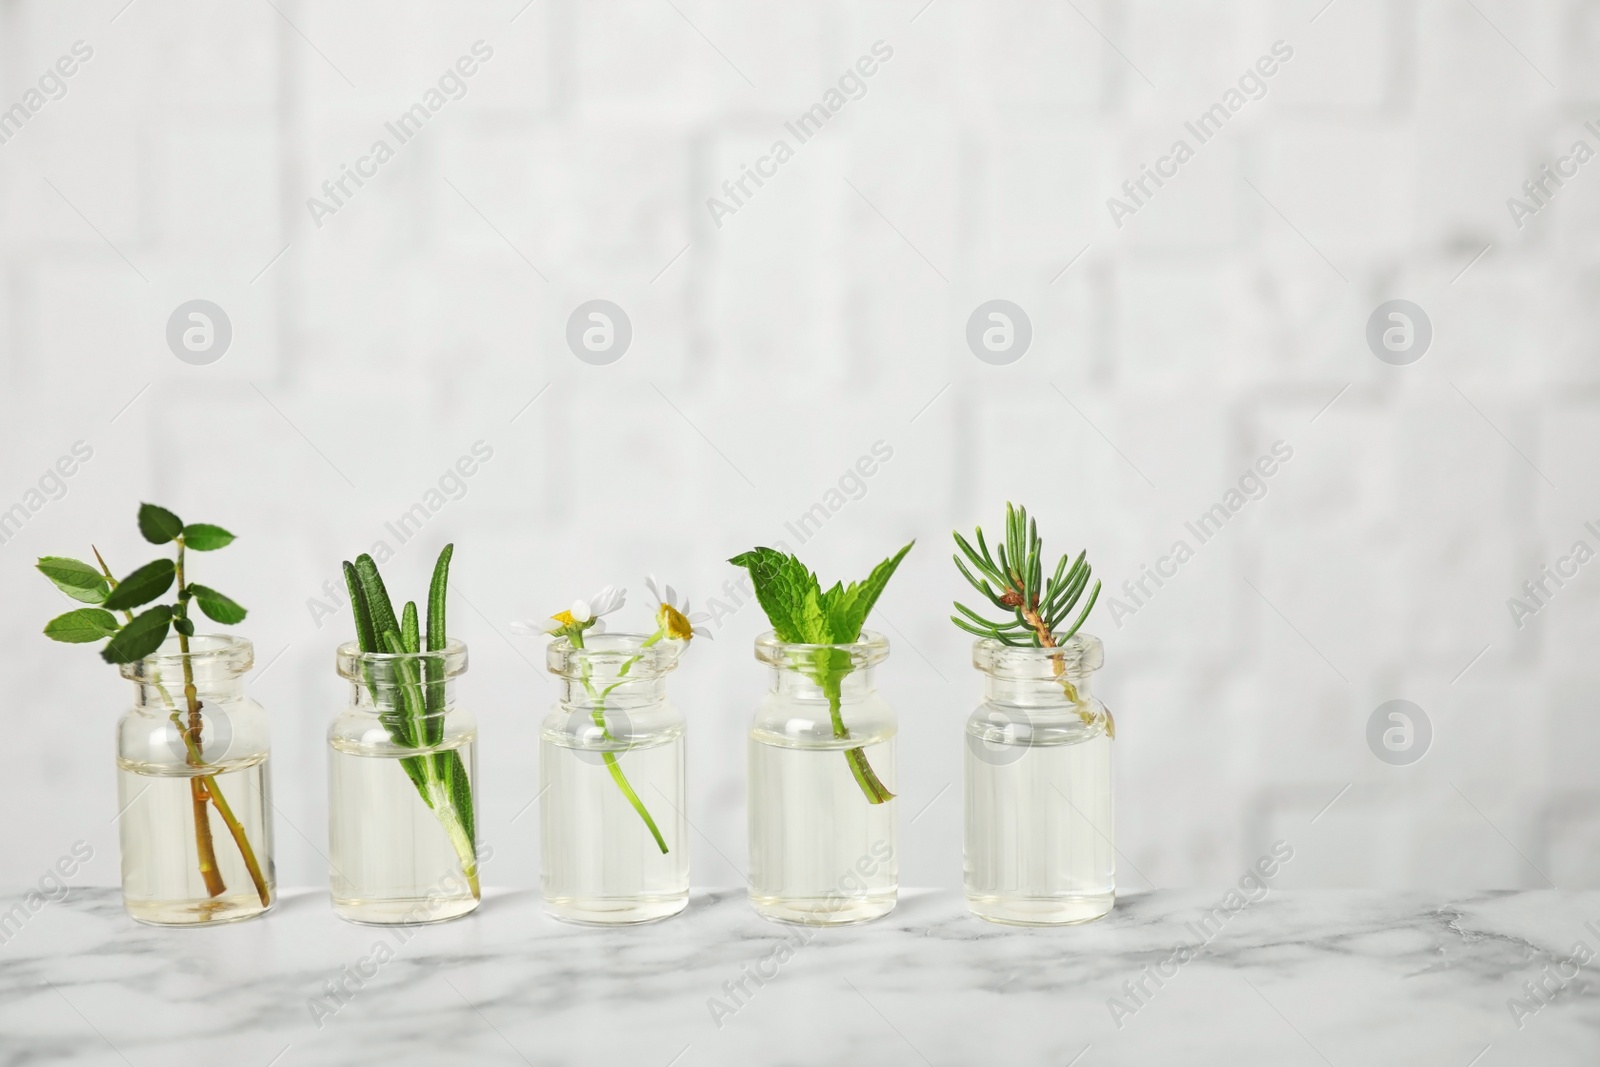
<point>1355,978</point>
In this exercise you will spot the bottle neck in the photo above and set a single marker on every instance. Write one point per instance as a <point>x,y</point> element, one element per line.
<point>386,697</point>
<point>1036,692</point>
<point>611,690</point>
<point>163,692</point>
<point>798,683</point>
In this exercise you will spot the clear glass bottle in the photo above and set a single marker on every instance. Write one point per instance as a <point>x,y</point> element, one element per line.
<point>193,791</point>
<point>1038,843</point>
<point>614,833</point>
<point>822,852</point>
<point>403,779</point>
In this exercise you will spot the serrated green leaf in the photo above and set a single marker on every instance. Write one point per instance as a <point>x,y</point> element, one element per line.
<point>139,638</point>
<point>204,537</point>
<point>81,626</point>
<point>813,616</point>
<point>158,524</point>
<point>141,587</point>
<point>849,608</point>
<point>218,608</point>
<point>798,608</point>
<point>75,578</point>
<point>782,585</point>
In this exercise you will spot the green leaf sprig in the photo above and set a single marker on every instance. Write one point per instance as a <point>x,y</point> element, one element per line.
<point>139,636</point>
<point>411,706</point>
<point>802,612</point>
<point>1012,579</point>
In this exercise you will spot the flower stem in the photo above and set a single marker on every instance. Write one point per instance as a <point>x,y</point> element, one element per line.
<point>633,798</point>
<point>597,713</point>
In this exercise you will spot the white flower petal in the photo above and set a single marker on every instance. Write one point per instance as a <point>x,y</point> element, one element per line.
<point>607,600</point>
<point>650,584</point>
<point>524,628</point>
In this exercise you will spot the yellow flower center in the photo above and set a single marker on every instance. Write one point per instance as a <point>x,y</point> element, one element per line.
<point>673,623</point>
<point>565,618</point>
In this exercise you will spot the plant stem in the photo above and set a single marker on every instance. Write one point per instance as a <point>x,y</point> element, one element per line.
<point>1059,669</point>
<point>598,715</point>
<point>197,792</point>
<point>236,830</point>
<point>874,789</point>
<point>208,787</point>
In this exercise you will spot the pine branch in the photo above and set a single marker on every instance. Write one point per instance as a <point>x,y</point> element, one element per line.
<point>1011,577</point>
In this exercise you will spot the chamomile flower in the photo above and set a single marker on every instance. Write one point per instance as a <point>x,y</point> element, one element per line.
<point>673,616</point>
<point>583,615</point>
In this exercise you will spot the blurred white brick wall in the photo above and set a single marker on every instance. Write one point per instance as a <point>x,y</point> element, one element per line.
<point>826,314</point>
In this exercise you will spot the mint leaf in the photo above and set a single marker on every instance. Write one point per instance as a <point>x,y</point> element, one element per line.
<point>798,608</point>
<point>158,524</point>
<point>140,637</point>
<point>783,586</point>
<point>75,578</point>
<point>217,607</point>
<point>141,587</point>
<point>813,617</point>
<point>848,608</point>
<point>204,537</point>
<point>83,625</point>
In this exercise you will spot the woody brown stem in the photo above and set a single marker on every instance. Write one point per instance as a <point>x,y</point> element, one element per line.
<point>198,793</point>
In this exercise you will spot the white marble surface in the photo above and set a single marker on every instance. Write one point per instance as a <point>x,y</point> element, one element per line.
<point>1354,978</point>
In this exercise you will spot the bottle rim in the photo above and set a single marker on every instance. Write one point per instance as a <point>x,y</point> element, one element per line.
<point>605,653</point>
<point>208,653</point>
<point>1079,654</point>
<point>349,660</point>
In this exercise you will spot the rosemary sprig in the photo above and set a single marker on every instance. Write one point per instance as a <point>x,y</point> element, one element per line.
<point>410,707</point>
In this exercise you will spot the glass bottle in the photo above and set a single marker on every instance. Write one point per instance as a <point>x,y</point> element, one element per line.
<point>193,792</point>
<point>403,778</point>
<point>823,846</point>
<point>613,825</point>
<point>1038,847</point>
